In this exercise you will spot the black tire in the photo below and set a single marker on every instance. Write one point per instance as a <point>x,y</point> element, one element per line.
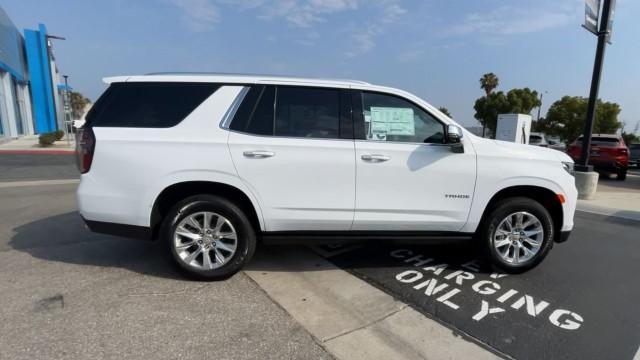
<point>499,212</point>
<point>246,235</point>
<point>622,174</point>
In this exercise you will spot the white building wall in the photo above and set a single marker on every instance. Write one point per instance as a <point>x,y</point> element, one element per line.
<point>27,116</point>
<point>57,98</point>
<point>7,106</point>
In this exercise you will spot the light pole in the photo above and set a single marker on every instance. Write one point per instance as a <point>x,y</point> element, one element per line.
<point>603,30</point>
<point>599,24</point>
<point>67,105</point>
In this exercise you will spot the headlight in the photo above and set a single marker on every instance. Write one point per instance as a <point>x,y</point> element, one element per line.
<point>568,167</point>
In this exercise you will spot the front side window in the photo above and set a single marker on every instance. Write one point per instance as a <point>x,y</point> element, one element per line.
<point>391,118</point>
<point>307,112</point>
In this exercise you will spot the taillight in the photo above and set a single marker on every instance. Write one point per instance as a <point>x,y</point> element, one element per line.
<point>573,150</point>
<point>623,151</point>
<point>86,143</point>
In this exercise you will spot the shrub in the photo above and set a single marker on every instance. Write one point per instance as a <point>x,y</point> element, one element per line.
<point>47,139</point>
<point>59,134</point>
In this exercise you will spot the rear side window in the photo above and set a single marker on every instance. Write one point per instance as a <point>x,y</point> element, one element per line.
<point>307,112</point>
<point>148,105</point>
<point>299,112</point>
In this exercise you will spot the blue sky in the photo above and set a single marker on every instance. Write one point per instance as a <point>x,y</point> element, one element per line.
<point>437,49</point>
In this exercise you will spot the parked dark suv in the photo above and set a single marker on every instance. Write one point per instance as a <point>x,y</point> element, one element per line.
<point>608,153</point>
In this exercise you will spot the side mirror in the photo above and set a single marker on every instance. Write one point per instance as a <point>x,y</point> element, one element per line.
<point>454,138</point>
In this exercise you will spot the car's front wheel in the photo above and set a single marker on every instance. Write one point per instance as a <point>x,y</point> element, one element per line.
<point>208,237</point>
<point>517,234</point>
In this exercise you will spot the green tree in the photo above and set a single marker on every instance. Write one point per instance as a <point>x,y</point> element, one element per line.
<point>630,138</point>
<point>445,111</point>
<point>488,82</point>
<point>78,104</point>
<point>566,118</point>
<point>520,101</point>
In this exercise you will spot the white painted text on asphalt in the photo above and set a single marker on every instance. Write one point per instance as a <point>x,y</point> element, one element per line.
<point>435,280</point>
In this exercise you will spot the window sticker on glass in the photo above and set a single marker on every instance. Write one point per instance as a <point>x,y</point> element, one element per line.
<point>394,121</point>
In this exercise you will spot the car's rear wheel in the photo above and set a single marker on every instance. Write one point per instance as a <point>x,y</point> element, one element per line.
<point>208,237</point>
<point>622,174</point>
<point>517,234</point>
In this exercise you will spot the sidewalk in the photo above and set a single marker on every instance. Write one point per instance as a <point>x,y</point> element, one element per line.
<point>615,198</point>
<point>29,145</point>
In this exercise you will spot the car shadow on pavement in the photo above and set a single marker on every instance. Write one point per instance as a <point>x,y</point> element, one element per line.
<point>378,254</point>
<point>64,238</point>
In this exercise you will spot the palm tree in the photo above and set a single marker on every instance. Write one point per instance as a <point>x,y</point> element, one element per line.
<point>78,104</point>
<point>488,82</point>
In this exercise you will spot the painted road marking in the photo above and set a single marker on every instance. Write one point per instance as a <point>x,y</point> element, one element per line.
<point>12,184</point>
<point>579,303</point>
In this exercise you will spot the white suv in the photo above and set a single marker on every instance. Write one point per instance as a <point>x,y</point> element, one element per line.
<point>210,164</point>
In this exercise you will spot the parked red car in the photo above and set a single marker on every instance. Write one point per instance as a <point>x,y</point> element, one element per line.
<point>608,153</point>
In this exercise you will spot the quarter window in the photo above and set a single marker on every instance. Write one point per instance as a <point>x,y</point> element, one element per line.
<point>391,118</point>
<point>148,105</point>
<point>255,114</point>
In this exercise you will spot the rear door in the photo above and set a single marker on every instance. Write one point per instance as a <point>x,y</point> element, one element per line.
<point>293,147</point>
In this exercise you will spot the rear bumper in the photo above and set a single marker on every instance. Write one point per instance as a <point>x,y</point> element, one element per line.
<point>611,164</point>
<point>123,230</point>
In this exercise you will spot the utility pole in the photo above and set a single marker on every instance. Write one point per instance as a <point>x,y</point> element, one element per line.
<point>602,34</point>
<point>540,107</point>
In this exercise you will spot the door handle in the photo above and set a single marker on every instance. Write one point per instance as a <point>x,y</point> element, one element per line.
<point>375,157</point>
<point>258,154</point>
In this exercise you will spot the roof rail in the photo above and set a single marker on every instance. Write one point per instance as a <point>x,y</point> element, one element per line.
<point>253,75</point>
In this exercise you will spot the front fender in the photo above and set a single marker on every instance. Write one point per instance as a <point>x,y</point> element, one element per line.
<point>485,192</point>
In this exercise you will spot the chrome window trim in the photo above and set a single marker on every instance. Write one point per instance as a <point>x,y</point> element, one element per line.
<point>231,112</point>
<point>401,142</point>
<point>286,137</point>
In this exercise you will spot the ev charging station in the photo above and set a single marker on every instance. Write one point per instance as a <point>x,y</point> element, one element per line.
<point>514,127</point>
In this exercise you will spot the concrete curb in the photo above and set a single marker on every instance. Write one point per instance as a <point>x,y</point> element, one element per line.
<point>37,152</point>
<point>349,317</point>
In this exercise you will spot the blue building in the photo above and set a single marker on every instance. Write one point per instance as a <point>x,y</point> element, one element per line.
<point>30,89</point>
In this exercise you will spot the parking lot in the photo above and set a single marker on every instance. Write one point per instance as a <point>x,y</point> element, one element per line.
<point>69,293</point>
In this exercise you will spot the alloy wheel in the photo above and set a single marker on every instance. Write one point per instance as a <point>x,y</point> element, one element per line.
<point>518,237</point>
<point>205,240</point>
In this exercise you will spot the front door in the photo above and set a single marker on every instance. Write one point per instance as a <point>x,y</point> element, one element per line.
<point>407,178</point>
<point>297,163</point>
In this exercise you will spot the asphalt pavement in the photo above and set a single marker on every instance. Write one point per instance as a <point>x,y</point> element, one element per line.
<point>70,293</point>
<point>67,293</point>
<point>580,303</point>
<point>20,167</point>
